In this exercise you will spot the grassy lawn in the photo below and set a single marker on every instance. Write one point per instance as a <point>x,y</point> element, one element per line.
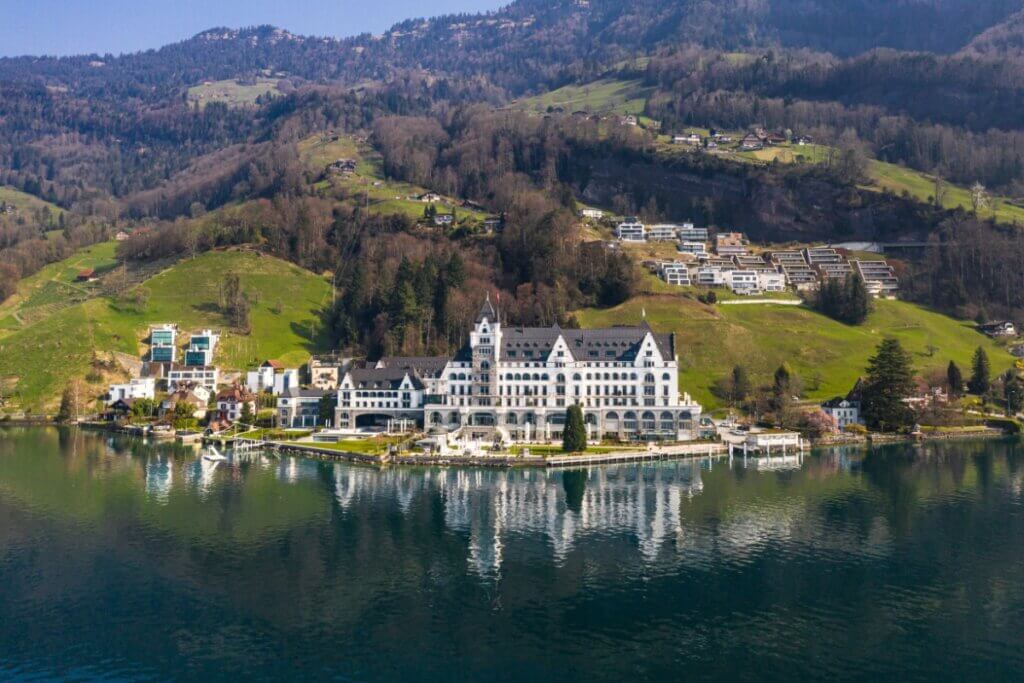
<point>829,356</point>
<point>383,197</point>
<point>922,186</point>
<point>39,359</point>
<point>231,92</point>
<point>376,445</point>
<point>556,449</point>
<point>26,202</point>
<point>54,287</point>
<point>604,96</point>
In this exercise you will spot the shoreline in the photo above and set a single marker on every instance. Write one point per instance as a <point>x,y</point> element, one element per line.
<point>506,461</point>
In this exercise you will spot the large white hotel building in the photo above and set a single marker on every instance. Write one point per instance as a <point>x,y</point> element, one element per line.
<point>521,380</point>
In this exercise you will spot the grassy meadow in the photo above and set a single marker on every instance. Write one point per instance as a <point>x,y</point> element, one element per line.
<point>231,92</point>
<point>828,356</point>
<point>39,359</point>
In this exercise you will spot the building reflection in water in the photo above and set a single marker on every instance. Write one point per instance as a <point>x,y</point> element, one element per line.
<point>493,505</point>
<point>660,509</point>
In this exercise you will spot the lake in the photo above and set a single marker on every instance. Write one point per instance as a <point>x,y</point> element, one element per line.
<point>121,560</point>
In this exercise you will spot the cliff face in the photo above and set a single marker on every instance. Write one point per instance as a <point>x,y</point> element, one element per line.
<point>769,206</point>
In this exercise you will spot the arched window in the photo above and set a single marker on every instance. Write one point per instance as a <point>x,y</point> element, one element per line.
<point>576,377</point>
<point>647,420</point>
<point>435,418</point>
<point>560,379</point>
<point>510,419</point>
<point>649,378</point>
<point>666,377</point>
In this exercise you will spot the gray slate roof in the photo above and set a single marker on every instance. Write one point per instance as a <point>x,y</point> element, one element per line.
<point>601,344</point>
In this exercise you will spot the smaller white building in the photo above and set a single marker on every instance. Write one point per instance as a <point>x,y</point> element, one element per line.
<point>631,230</point>
<point>593,214</point>
<point>205,376</point>
<point>675,273</point>
<point>844,411</point>
<point>742,281</point>
<point>137,387</point>
<point>662,232</point>
<point>696,249</point>
<point>689,233</point>
<point>284,380</point>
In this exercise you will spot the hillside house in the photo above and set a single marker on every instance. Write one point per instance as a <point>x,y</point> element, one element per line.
<point>593,214</point>
<point>730,244</point>
<point>137,387</point>
<point>689,233</point>
<point>162,343</point>
<point>751,142</point>
<point>201,346</point>
<point>324,372</point>
<point>205,376</point>
<point>444,219</point>
<point>86,275</point>
<point>631,230</point>
<point>262,378</point>
<point>298,408</point>
<point>629,120</point>
<point>675,273</point>
<point>879,278</point>
<point>844,411</point>
<point>689,138</point>
<point>429,197</point>
<point>121,236</point>
<point>342,166</point>
<point>998,328</point>
<point>192,396</point>
<point>662,232</point>
<point>698,250</point>
<point>231,403</point>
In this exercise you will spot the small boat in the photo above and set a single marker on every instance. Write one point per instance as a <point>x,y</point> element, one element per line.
<point>214,456</point>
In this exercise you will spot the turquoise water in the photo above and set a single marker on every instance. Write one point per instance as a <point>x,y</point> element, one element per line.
<point>124,561</point>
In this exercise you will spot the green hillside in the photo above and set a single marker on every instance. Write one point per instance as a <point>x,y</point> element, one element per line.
<point>26,202</point>
<point>232,93</point>
<point>381,196</point>
<point>38,359</point>
<point>54,287</point>
<point>828,355</point>
<point>605,96</point>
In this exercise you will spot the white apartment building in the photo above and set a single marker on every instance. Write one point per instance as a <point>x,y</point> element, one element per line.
<point>201,346</point>
<point>517,383</point>
<point>163,343</point>
<point>675,273</point>
<point>662,232</point>
<point>593,214</point>
<point>691,234</point>
<point>631,230</point>
<point>206,376</point>
<point>696,249</point>
<point>137,387</point>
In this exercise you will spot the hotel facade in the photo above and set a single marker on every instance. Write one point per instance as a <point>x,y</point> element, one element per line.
<point>517,382</point>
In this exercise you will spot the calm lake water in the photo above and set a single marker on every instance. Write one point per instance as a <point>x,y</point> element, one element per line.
<point>125,561</point>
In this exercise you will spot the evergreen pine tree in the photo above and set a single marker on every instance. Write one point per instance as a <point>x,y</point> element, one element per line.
<point>574,434</point>
<point>890,379</point>
<point>981,378</point>
<point>246,416</point>
<point>740,384</point>
<point>955,380</point>
<point>856,302</point>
